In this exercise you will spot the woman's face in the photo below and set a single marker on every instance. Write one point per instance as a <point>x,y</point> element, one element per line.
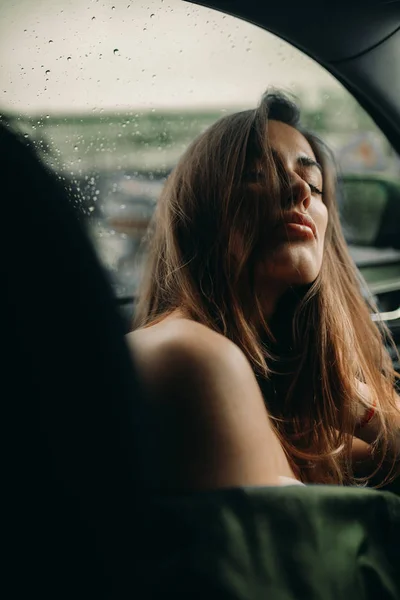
<point>295,248</point>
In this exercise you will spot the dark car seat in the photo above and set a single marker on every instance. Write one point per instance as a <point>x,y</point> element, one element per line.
<point>69,393</point>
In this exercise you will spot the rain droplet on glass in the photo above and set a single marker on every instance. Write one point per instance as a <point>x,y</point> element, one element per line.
<point>116,51</point>
<point>68,58</point>
<point>47,72</point>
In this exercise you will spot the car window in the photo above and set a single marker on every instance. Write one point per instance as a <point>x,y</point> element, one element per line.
<point>362,212</point>
<point>112,93</point>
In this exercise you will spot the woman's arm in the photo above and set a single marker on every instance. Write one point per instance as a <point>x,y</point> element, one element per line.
<point>205,425</point>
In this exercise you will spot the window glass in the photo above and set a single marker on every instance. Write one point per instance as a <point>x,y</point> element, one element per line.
<point>363,208</point>
<point>112,93</point>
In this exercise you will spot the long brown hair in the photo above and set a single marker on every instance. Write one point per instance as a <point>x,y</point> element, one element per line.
<point>207,217</point>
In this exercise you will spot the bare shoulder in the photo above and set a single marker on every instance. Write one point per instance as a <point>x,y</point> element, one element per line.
<point>206,421</point>
<point>181,346</point>
<point>177,331</point>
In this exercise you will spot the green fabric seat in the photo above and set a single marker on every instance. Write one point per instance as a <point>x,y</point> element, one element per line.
<point>282,543</point>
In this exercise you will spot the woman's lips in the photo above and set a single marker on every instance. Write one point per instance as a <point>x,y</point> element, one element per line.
<point>295,230</point>
<point>297,225</point>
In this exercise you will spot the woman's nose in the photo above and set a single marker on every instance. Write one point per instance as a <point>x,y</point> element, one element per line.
<point>299,193</point>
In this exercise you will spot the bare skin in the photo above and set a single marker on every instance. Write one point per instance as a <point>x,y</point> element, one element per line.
<point>207,422</point>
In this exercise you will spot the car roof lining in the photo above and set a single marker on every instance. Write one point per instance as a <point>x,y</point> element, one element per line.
<point>345,31</point>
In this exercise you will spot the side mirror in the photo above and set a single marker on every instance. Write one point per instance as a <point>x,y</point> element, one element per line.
<point>370,211</point>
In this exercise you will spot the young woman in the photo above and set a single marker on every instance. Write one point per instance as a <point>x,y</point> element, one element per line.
<point>257,350</point>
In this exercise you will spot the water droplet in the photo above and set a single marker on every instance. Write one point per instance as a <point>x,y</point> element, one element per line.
<point>50,41</point>
<point>47,116</point>
<point>144,28</point>
<point>68,58</point>
<point>76,148</point>
<point>123,206</point>
<point>47,72</point>
<point>93,18</point>
<point>26,135</point>
<point>116,51</point>
<point>91,208</point>
<point>152,15</point>
<point>154,76</point>
<point>113,8</point>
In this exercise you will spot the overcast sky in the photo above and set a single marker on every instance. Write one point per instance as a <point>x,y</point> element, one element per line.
<point>80,55</point>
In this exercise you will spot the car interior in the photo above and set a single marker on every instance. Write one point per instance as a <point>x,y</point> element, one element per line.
<point>79,520</point>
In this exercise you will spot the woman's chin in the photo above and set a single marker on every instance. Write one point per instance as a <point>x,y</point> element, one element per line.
<point>293,266</point>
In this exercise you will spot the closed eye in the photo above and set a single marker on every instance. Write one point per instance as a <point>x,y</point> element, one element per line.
<point>314,189</point>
